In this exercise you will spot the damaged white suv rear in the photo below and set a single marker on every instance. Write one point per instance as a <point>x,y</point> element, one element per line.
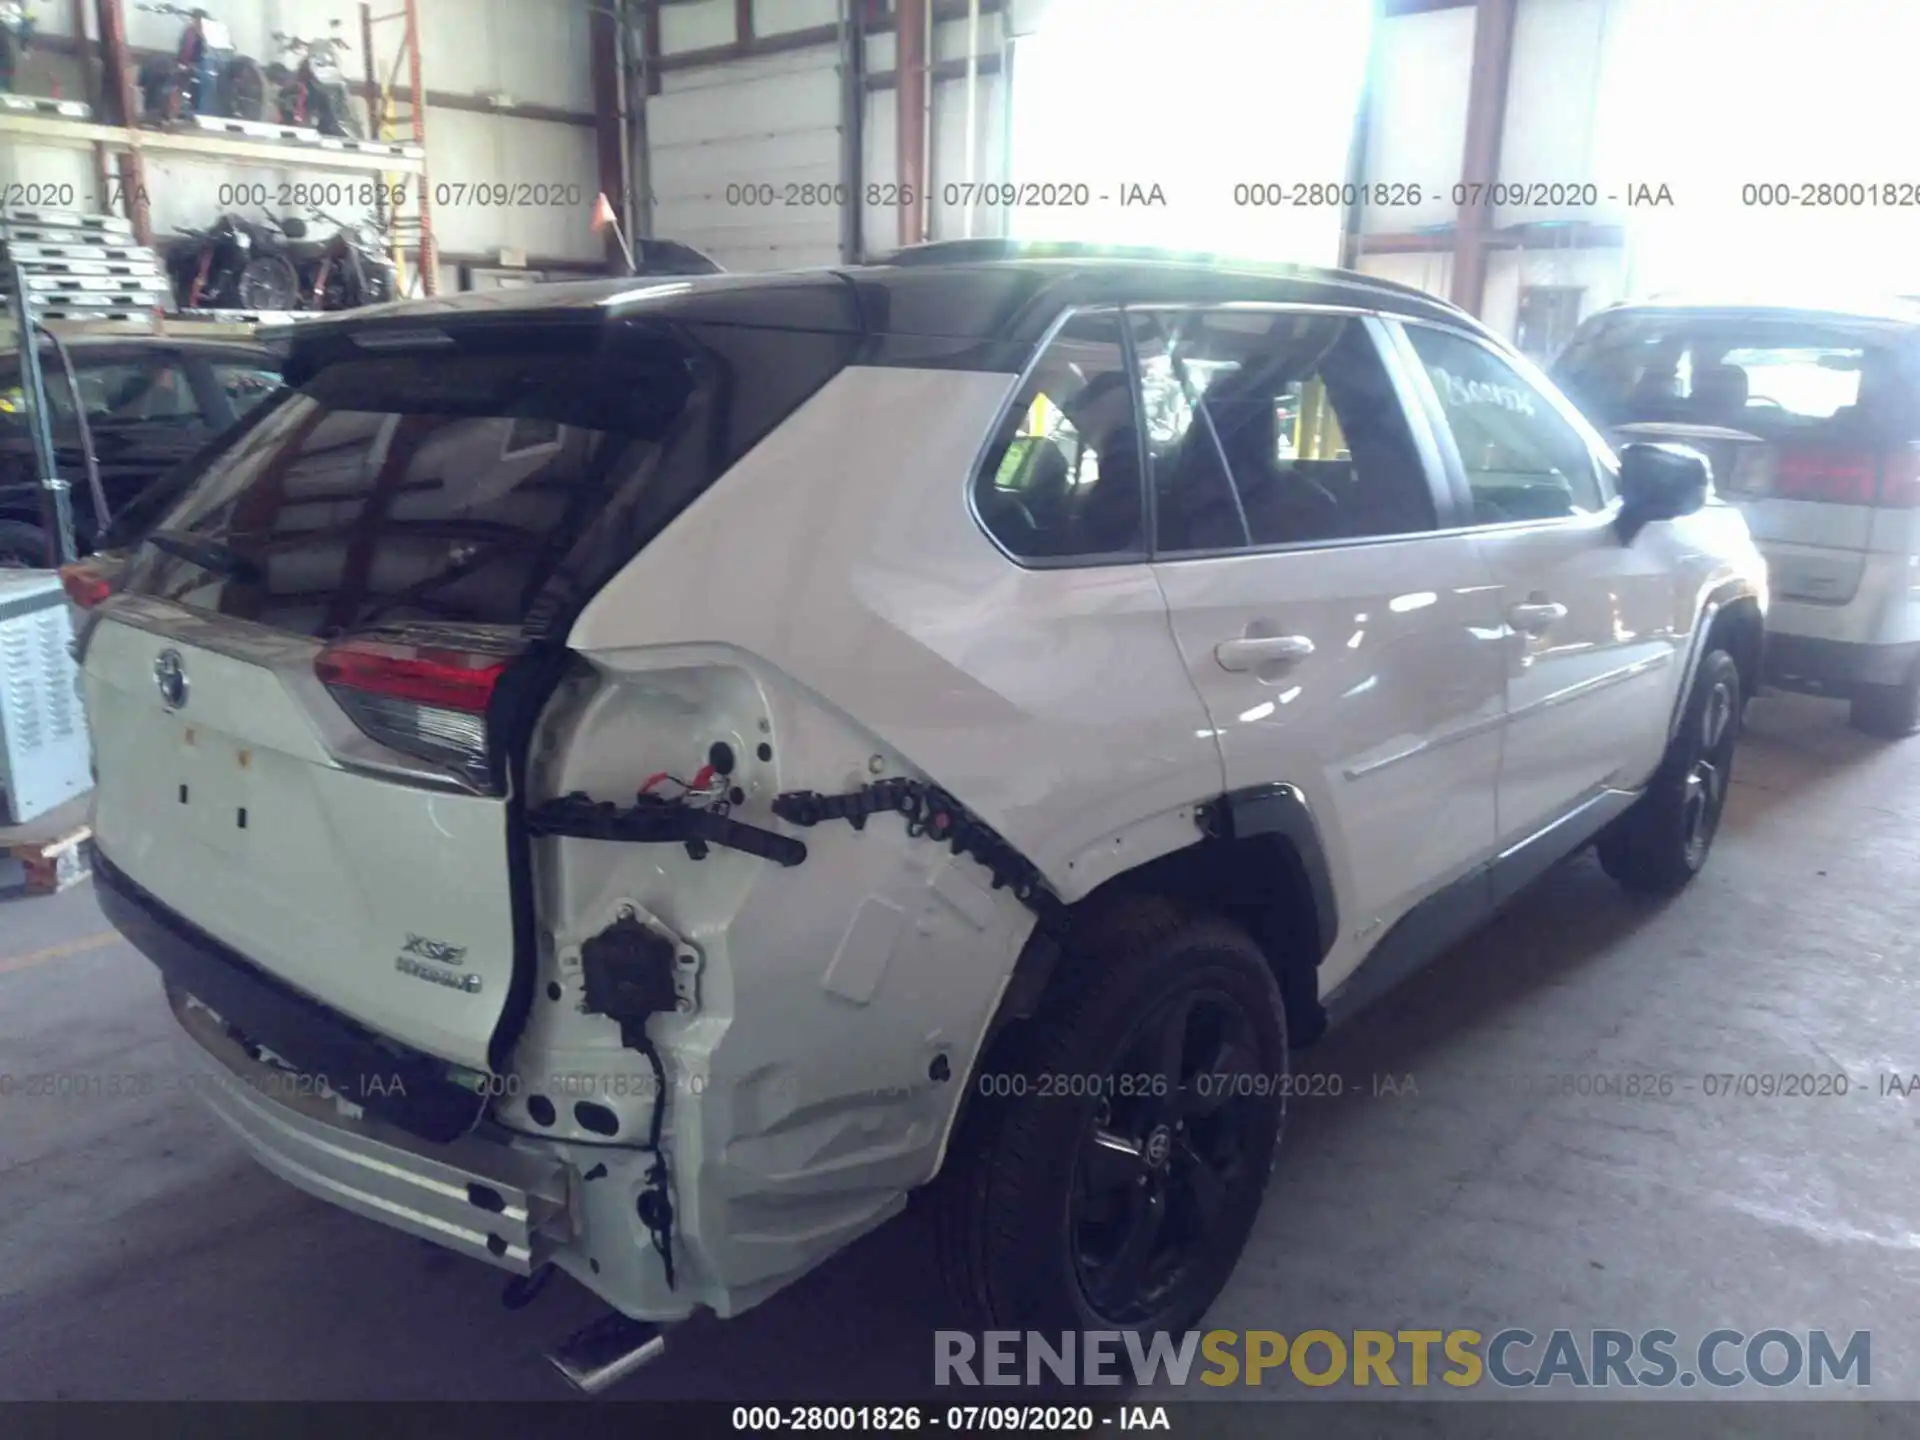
<point>637,779</point>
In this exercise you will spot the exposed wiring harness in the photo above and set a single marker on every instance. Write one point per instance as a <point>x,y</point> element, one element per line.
<point>697,818</point>
<point>933,813</point>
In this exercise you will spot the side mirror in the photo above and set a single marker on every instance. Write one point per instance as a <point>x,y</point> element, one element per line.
<point>1660,482</point>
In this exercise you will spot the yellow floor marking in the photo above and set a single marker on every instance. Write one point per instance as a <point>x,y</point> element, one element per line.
<point>10,963</point>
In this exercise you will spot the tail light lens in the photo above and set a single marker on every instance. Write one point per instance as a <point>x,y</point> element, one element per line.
<point>1849,476</point>
<point>424,700</point>
<point>88,582</point>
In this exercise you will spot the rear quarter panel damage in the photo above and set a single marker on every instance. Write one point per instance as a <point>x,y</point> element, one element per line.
<point>832,600</point>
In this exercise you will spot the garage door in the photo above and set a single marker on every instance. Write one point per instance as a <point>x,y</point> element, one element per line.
<point>746,160</point>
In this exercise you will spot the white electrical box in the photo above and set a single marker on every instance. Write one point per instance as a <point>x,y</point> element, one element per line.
<point>45,759</point>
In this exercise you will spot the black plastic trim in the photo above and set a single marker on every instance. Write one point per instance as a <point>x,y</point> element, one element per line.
<point>1817,666</point>
<point>1282,810</point>
<point>1420,937</point>
<point>1457,910</point>
<point>318,1041</point>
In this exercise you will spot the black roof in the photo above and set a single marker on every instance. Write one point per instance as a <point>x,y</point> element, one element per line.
<point>964,290</point>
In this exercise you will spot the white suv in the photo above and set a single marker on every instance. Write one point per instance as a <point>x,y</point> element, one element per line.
<point>1811,419</point>
<point>639,778</point>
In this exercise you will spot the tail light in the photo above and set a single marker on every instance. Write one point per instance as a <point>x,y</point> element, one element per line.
<point>423,700</point>
<point>1849,476</point>
<point>88,582</point>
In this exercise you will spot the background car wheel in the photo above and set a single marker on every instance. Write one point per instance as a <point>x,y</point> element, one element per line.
<point>1110,1166</point>
<point>1661,843</point>
<point>22,546</point>
<point>1892,711</point>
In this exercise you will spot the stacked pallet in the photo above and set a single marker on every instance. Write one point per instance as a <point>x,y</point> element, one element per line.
<point>44,105</point>
<point>81,267</point>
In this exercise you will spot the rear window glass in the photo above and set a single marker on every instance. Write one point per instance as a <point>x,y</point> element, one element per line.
<point>469,488</point>
<point>1774,376</point>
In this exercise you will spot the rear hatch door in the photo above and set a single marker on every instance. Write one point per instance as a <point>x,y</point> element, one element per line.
<point>297,691</point>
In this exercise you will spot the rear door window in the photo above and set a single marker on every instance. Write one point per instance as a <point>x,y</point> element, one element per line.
<point>1274,428</point>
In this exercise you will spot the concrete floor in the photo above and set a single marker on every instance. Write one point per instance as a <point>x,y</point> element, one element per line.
<point>142,1255</point>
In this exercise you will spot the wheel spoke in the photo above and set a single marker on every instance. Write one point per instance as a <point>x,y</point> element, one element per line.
<point>1119,1281</point>
<point>1719,710</point>
<point>1170,1042</point>
<point>1204,1185</point>
<point>1709,782</point>
<point>1110,1162</point>
<point>1218,1078</point>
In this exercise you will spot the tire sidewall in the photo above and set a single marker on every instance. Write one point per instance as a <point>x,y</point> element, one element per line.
<point>1033,1278</point>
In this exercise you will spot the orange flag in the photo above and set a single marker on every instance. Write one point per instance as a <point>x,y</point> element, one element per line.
<point>602,211</point>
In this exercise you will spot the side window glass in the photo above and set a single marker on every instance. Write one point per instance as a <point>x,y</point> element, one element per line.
<point>1523,460</point>
<point>1276,428</point>
<point>1064,481</point>
<point>1196,506</point>
<point>245,385</point>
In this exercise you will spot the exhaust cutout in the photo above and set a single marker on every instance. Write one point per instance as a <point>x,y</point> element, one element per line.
<point>602,1354</point>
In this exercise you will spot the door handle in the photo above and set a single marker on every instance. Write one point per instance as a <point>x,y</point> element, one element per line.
<point>1251,652</point>
<point>1536,617</point>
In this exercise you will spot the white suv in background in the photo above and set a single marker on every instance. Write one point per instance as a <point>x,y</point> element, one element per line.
<point>639,778</point>
<point>1811,419</point>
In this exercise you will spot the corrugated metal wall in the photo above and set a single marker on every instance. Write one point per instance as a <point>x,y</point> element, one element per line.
<point>746,154</point>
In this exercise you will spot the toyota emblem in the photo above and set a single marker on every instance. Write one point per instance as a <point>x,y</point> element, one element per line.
<point>171,677</point>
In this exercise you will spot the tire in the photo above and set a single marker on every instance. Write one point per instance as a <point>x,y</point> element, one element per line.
<point>243,91</point>
<point>22,546</point>
<point>1114,1210</point>
<point>1889,711</point>
<point>333,113</point>
<point>268,283</point>
<point>1662,842</point>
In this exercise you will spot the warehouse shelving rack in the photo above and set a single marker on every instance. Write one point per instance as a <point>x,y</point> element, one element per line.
<point>109,69</point>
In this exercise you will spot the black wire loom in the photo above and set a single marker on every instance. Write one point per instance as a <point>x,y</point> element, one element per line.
<point>931,812</point>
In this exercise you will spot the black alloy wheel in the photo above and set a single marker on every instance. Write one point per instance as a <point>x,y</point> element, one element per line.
<point>1157,1165</point>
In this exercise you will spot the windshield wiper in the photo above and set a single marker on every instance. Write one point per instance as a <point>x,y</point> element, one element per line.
<point>207,554</point>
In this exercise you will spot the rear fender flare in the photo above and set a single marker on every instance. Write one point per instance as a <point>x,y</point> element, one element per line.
<point>1282,810</point>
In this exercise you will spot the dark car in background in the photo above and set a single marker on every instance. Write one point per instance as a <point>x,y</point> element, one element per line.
<point>148,402</point>
<point>1810,418</point>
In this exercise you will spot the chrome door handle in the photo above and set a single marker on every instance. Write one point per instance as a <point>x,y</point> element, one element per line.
<point>1253,651</point>
<point>1535,617</point>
